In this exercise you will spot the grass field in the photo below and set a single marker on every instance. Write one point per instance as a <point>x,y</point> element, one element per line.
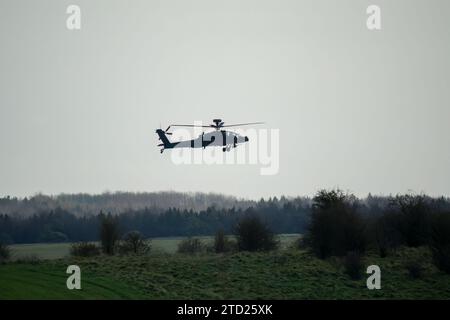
<point>160,245</point>
<point>282,274</point>
<point>44,281</point>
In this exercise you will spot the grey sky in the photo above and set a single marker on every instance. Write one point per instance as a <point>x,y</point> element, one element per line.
<point>367,111</point>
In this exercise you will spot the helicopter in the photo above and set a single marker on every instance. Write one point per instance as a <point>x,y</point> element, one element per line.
<point>218,137</point>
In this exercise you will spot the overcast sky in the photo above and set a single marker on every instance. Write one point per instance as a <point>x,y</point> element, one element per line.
<point>366,111</point>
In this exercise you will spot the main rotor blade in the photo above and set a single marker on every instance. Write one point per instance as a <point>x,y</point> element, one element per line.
<point>242,124</point>
<point>188,125</point>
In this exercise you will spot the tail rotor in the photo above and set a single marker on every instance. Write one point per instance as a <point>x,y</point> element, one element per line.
<point>162,136</point>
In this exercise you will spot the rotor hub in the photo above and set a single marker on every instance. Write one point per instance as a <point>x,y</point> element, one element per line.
<point>218,123</point>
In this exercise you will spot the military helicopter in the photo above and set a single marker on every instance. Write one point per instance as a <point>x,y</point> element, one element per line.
<point>218,137</point>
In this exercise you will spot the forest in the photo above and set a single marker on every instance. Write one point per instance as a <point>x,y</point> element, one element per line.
<point>61,225</point>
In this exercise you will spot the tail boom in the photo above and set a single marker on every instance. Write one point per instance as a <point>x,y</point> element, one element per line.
<point>166,144</point>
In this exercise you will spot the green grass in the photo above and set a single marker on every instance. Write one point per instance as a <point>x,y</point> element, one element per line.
<point>161,245</point>
<point>283,274</point>
<point>44,281</point>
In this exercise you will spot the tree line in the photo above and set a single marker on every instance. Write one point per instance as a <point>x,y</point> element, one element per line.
<point>60,225</point>
<point>118,202</point>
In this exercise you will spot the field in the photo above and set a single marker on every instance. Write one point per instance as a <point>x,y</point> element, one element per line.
<point>284,274</point>
<point>45,281</point>
<point>160,245</point>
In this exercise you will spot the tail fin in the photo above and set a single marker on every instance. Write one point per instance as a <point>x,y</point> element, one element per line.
<point>165,141</point>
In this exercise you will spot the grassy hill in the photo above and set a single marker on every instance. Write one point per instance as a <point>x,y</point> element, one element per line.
<point>283,274</point>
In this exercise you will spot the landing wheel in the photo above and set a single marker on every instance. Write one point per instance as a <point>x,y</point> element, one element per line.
<point>224,149</point>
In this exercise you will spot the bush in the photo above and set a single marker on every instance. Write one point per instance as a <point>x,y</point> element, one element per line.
<point>254,235</point>
<point>29,259</point>
<point>415,269</point>
<point>84,249</point>
<point>353,265</point>
<point>440,241</point>
<point>134,243</point>
<point>301,243</point>
<point>335,226</point>
<point>5,252</point>
<point>191,246</point>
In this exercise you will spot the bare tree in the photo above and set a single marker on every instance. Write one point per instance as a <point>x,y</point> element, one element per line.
<point>222,243</point>
<point>134,242</point>
<point>335,227</point>
<point>254,235</point>
<point>109,233</point>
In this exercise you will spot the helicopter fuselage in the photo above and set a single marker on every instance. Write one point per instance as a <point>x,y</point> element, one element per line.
<point>218,138</point>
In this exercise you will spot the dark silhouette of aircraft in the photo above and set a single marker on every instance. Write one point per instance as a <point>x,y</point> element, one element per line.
<point>218,137</point>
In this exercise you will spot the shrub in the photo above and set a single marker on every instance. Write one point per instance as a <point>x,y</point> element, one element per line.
<point>191,246</point>
<point>301,243</point>
<point>254,235</point>
<point>133,242</point>
<point>353,265</point>
<point>5,252</point>
<point>84,249</point>
<point>415,269</point>
<point>335,226</point>
<point>29,259</point>
<point>440,241</point>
